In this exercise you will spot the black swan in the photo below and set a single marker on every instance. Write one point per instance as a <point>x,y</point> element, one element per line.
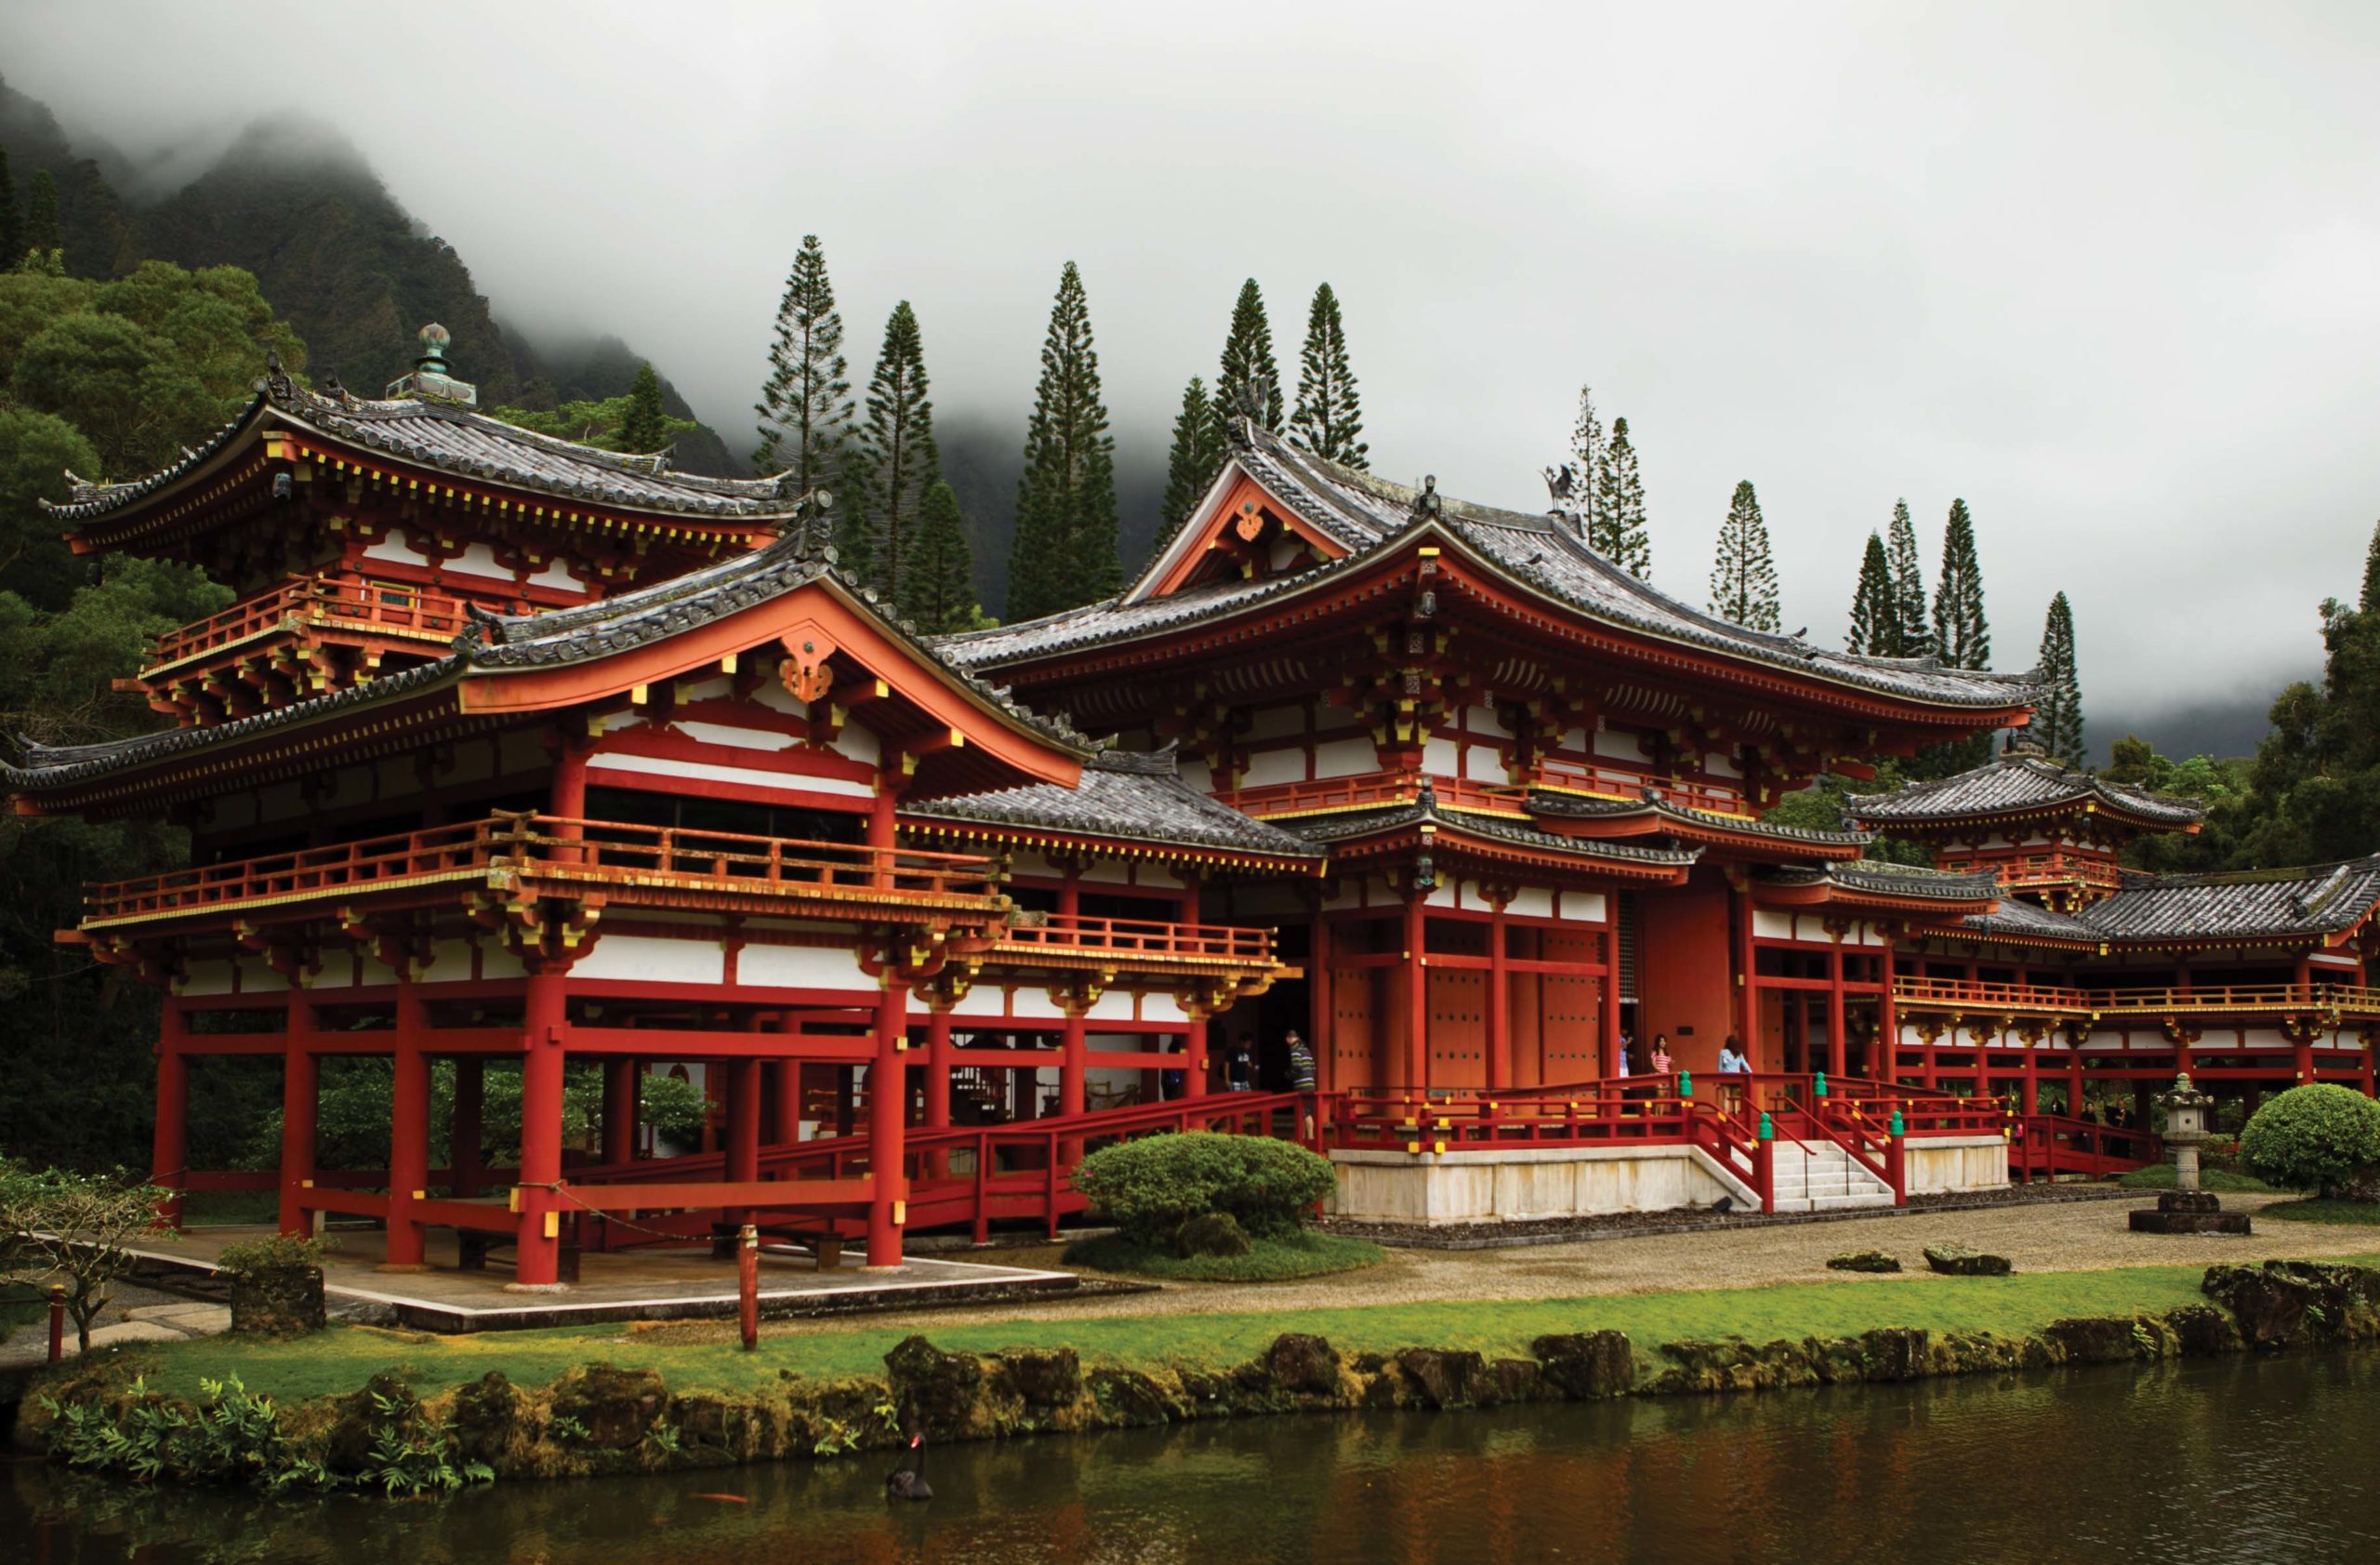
<point>909,1482</point>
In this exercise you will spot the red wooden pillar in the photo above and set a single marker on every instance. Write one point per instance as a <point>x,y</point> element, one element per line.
<point>1194,1056</point>
<point>169,1143</point>
<point>300,1093</point>
<point>1322,1021</point>
<point>1073,1052</point>
<point>1417,991</point>
<point>621,1078</point>
<point>744,1110</point>
<point>471,1099</point>
<point>1745,963</point>
<point>887,1134</point>
<point>409,1131</point>
<point>938,1069</point>
<point>1887,1061</point>
<point>1838,1036</point>
<point>1500,1004</point>
<point>785,1091</point>
<point>2074,1078</point>
<point>538,1239</point>
<point>2031,1102</point>
<point>1607,1029</point>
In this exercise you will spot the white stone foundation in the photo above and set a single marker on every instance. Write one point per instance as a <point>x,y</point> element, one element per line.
<point>1504,1184</point>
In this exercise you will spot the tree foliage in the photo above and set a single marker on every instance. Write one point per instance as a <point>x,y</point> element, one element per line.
<point>1190,467</point>
<point>2057,721</point>
<point>1876,608</point>
<point>1743,578</point>
<point>12,220</point>
<point>1616,526</point>
<point>1910,637</point>
<point>805,406</point>
<point>939,593</point>
<point>1329,416</point>
<point>1248,376</point>
<point>607,423</point>
<point>897,460</point>
<point>1151,1186</point>
<point>1588,452</point>
<point>1066,553</point>
<point>1962,635</point>
<point>74,1230</point>
<point>41,214</point>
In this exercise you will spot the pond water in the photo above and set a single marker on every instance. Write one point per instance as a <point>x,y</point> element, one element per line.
<point>2246,1459</point>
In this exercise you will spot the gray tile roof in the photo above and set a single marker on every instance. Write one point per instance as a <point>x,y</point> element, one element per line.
<point>1348,825</point>
<point>2011,785</point>
<point>1573,807</point>
<point>457,439</point>
<point>1122,796</point>
<point>566,636</point>
<point>2243,905</point>
<point>1361,510</point>
<point>1884,878</point>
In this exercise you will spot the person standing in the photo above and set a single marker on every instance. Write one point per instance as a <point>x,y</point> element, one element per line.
<point>1239,1067</point>
<point>1301,1072</point>
<point>1731,1058</point>
<point>1662,1063</point>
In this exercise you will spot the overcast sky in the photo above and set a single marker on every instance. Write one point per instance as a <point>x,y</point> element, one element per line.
<point>2112,272</point>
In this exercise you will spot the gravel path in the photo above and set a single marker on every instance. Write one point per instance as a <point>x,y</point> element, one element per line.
<point>2077,1237</point>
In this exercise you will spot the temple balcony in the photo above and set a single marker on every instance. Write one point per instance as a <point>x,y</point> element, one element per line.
<point>543,882</point>
<point>2090,873</point>
<point>305,638</point>
<point>1373,790</point>
<point>2249,1001</point>
<point>1556,774</point>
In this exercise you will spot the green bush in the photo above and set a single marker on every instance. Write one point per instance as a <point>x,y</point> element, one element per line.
<point>279,1253</point>
<point>1151,1186</point>
<point>1307,1253</point>
<point>1211,1233</point>
<point>2321,1137</point>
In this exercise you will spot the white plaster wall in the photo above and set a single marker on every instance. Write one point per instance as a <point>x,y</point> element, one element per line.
<point>1957,1163</point>
<point>1517,1185</point>
<point>800,967</point>
<point>207,977</point>
<point>1620,745</point>
<point>1533,902</point>
<point>743,777</point>
<point>1768,924</point>
<point>738,739</point>
<point>1345,758</point>
<point>1442,757</point>
<point>653,960</point>
<point>1269,766</point>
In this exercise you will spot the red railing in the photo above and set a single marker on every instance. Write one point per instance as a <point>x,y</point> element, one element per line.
<point>1140,937</point>
<point>2037,997</point>
<point>589,850</point>
<point>356,603</point>
<point>2048,1145</point>
<point>1370,790</point>
<point>1582,776</point>
<point>2043,868</point>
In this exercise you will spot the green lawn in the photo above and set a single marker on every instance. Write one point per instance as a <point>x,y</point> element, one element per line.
<point>1306,1253</point>
<point>2160,1177</point>
<point>341,1358</point>
<point>2313,1210</point>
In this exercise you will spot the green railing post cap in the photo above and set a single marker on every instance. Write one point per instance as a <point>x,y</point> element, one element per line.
<point>1768,1126</point>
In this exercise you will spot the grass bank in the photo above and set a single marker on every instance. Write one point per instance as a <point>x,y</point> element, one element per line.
<point>1304,1253</point>
<point>342,1357</point>
<point>2339,1213</point>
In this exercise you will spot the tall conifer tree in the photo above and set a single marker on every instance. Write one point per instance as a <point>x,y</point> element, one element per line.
<point>938,590</point>
<point>1066,553</point>
<point>2369,602</point>
<point>1910,637</point>
<point>1962,635</point>
<point>1247,362</point>
<point>1329,415</point>
<point>1588,454</point>
<point>805,407</point>
<point>1875,611</point>
<point>898,459</point>
<point>646,429</point>
<point>1197,456</point>
<point>1743,577</point>
<point>12,223</point>
<point>1615,530</point>
<point>41,214</point>
<point>2057,721</point>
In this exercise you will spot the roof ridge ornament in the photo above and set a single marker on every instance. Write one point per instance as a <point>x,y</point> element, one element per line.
<point>432,381</point>
<point>277,384</point>
<point>1427,504</point>
<point>1568,489</point>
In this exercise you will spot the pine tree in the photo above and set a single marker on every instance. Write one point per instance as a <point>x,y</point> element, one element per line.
<point>12,223</point>
<point>898,460</point>
<point>1875,614</point>
<point>1588,454</point>
<point>1065,552</point>
<point>1247,362</point>
<point>1911,638</point>
<point>41,214</point>
<point>1743,578</point>
<point>938,591</point>
<point>1962,636</point>
<point>1191,467</point>
<point>2369,602</point>
<point>646,428</point>
<point>805,406</point>
<point>1617,530</point>
<point>2057,721</point>
<point>1329,413</point>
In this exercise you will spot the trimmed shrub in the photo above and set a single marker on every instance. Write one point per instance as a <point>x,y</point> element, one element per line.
<point>1211,1233</point>
<point>2321,1137</point>
<point>1151,1186</point>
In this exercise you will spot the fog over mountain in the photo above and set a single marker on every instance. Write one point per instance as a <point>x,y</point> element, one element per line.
<point>2111,273</point>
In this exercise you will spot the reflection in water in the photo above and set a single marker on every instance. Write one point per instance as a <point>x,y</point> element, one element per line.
<point>2248,1459</point>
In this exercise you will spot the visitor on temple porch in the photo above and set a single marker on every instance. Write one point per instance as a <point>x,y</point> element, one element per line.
<point>1239,1067</point>
<point>1302,1073</point>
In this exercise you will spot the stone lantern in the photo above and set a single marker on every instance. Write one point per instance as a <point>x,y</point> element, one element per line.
<point>2186,1209</point>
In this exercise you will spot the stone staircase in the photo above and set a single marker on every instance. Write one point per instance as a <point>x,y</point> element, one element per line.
<point>1820,1176</point>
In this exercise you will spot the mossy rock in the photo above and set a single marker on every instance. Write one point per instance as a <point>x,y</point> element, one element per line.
<point>1038,1377</point>
<point>2291,1301</point>
<point>277,1300</point>
<point>1131,1397</point>
<point>615,1407</point>
<point>1863,1260</point>
<point>1212,1233</point>
<point>1958,1260</point>
<point>934,1391</point>
<point>1585,1366</point>
<point>490,1418</point>
<point>1443,1378</point>
<point>1895,1352</point>
<point>2110,1339</point>
<point>1302,1363</point>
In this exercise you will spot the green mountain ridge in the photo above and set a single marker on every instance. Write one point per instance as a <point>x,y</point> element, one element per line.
<point>295,204</point>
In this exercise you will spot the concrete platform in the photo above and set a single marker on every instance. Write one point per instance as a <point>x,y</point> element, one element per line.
<point>629,1285</point>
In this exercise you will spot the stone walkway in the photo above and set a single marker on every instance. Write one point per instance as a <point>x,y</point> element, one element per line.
<point>2067,1237</point>
<point>134,1314</point>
